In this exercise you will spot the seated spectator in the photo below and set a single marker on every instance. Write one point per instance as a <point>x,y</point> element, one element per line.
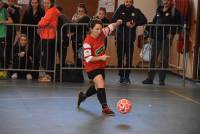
<point>22,58</point>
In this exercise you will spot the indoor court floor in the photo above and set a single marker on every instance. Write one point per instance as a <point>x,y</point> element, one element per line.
<point>30,107</point>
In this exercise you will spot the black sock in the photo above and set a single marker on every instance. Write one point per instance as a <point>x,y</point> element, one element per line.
<point>101,95</point>
<point>91,91</point>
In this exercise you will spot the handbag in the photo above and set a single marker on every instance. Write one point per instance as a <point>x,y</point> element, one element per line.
<point>145,53</point>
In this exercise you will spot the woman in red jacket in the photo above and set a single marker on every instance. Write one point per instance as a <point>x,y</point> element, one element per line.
<point>47,31</point>
<point>95,61</point>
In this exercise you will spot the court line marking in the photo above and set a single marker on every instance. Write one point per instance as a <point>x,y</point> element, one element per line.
<point>184,97</point>
<point>80,87</point>
<point>72,97</point>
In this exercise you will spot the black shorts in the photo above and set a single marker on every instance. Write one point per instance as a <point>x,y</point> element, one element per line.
<point>94,73</point>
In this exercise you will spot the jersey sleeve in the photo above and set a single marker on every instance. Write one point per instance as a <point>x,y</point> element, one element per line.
<point>87,52</point>
<point>108,30</point>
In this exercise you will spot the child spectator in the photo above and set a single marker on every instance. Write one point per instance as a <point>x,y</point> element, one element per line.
<point>102,15</point>
<point>22,58</point>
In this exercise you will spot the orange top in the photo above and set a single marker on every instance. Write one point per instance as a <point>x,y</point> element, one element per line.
<point>48,24</point>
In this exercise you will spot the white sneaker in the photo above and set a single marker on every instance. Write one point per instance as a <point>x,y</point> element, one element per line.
<point>14,76</point>
<point>29,77</point>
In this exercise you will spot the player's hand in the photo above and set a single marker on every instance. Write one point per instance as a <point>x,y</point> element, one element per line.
<point>130,24</point>
<point>119,22</point>
<point>11,10</point>
<point>21,54</point>
<point>104,57</point>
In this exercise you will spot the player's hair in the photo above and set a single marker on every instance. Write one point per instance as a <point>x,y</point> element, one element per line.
<point>94,21</point>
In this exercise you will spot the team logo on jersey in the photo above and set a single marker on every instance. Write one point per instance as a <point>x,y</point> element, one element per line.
<point>100,50</point>
<point>133,14</point>
<point>123,13</point>
<point>87,52</point>
<point>167,14</point>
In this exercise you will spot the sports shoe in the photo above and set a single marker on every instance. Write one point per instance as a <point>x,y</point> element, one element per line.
<point>29,77</point>
<point>121,80</point>
<point>107,111</point>
<point>81,98</point>
<point>147,81</point>
<point>127,80</point>
<point>44,79</point>
<point>14,76</point>
<point>162,83</point>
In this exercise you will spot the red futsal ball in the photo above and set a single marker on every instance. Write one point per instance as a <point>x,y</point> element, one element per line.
<point>124,106</point>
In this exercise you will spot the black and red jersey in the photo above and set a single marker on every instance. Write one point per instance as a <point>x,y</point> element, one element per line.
<point>95,47</point>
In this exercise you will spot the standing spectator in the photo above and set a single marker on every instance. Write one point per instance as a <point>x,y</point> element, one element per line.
<point>4,19</point>
<point>22,58</point>
<point>14,11</point>
<point>62,19</point>
<point>126,35</point>
<point>47,30</point>
<point>33,15</point>
<point>102,15</point>
<point>79,31</point>
<point>162,37</point>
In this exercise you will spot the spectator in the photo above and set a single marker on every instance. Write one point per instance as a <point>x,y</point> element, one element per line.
<point>102,15</point>
<point>47,30</point>
<point>126,35</point>
<point>14,12</point>
<point>4,19</point>
<point>33,15</point>
<point>165,14</point>
<point>79,31</point>
<point>62,19</point>
<point>22,58</point>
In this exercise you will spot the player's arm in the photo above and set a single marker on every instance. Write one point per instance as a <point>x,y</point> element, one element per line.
<point>111,27</point>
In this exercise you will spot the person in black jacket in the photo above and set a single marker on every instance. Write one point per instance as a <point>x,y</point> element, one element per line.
<point>32,16</point>
<point>62,20</point>
<point>126,35</point>
<point>162,36</point>
<point>22,58</point>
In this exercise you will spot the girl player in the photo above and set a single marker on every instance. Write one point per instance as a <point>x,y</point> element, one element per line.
<point>95,62</point>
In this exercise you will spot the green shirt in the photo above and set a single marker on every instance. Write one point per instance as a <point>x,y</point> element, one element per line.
<point>3,17</point>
